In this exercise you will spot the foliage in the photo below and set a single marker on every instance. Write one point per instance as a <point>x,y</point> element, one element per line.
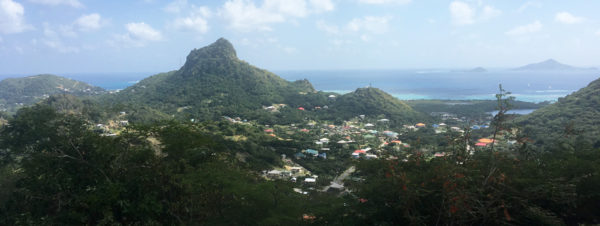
<point>574,115</point>
<point>18,92</point>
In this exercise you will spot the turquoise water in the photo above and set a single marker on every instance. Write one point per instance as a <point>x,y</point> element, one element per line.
<point>448,84</point>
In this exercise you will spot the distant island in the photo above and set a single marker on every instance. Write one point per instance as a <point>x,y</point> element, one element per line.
<point>477,69</point>
<point>473,70</point>
<point>550,65</point>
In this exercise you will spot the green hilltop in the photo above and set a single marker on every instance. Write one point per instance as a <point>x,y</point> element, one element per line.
<point>577,114</point>
<point>16,92</point>
<point>214,82</point>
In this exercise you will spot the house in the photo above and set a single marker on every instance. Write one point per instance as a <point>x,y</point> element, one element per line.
<point>294,169</point>
<point>486,140</point>
<point>369,125</point>
<point>304,130</point>
<point>481,144</point>
<point>299,155</point>
<point>274,174</point>
<point>324,140</point>
<point>268,130</point>
<point>384,120</point>
<point>301,108</point>
<point>390,133</point>
<point>310,180</point>
<point>357,153</point>
<point>323,155</point>
<point>475,127</point>
<point>439,154</point>
<point>435,126</point>
<point>370,156</point>
<point>420,125</point>
<point>311,152</point>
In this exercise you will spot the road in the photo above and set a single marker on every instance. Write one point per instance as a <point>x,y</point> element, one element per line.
<point>338,182</point>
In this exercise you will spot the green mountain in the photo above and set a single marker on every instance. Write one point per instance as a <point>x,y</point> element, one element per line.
<point>212,83</point>
<point>576,115</point>
<point>16,92</point>
<point>375,102</point>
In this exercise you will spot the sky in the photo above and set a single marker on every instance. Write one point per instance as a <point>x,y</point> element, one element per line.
<point>99,36</point>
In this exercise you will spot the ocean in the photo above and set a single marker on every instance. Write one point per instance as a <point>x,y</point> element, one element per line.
<point>408,84</point>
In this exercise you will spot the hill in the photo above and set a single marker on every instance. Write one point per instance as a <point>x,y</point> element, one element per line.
<point>577,114</point>
<point>17,92</point>
<point>549,65</point>
<point>212,83</point>
<point>375,102</point>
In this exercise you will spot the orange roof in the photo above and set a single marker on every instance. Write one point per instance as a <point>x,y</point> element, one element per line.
<point>397,141</point>
<point>273,135</point>
<point>420,124</point>
<point>301,108</point>
<point>360,151</point>
<point>481,144</point>
<point>486,140</point>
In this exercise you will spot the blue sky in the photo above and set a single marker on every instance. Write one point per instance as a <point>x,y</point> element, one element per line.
<point>71,36</point>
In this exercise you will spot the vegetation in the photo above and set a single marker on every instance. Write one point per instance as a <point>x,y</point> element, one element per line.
<point>152,165</point>
<point>18,92</point>
<point>575,115</point>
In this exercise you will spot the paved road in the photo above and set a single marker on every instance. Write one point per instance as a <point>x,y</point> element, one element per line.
<point>339,180</point>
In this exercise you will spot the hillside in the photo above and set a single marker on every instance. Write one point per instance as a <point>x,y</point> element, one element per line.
<point>212,83</point>
<point>17,92</point>
<point>375,102</point>
<point>549,65</point>
<point>573,115</point>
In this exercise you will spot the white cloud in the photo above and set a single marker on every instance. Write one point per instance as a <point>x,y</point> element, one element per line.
<point>289,49</point>
<point>244,15</point>
<point>196,19</point>
<point>490,12</point>
<point>384,1</point>
<point>567,18</point>
<point>525,29</point>
<point>529,4</point>
<point>12,18</point>
<point>462,13</point>
<point>72,3</point>
<point>52,39</point>
<point>138,35</point>
<point>329,29</point>
<point>598,33</point>
<point>373,24</point>
<point>322,5</point>
<point>60,46</point>
<point>176,6</point>
<point>195,22</point>
<point>143,31</point>
<point>89,22</point>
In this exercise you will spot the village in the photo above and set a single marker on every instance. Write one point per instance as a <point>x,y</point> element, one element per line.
<point>361,138</point>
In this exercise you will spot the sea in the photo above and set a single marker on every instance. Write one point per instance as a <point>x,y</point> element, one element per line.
<point>407,84</point>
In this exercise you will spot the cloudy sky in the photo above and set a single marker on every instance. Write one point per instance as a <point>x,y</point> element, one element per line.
<point>70,36</point>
